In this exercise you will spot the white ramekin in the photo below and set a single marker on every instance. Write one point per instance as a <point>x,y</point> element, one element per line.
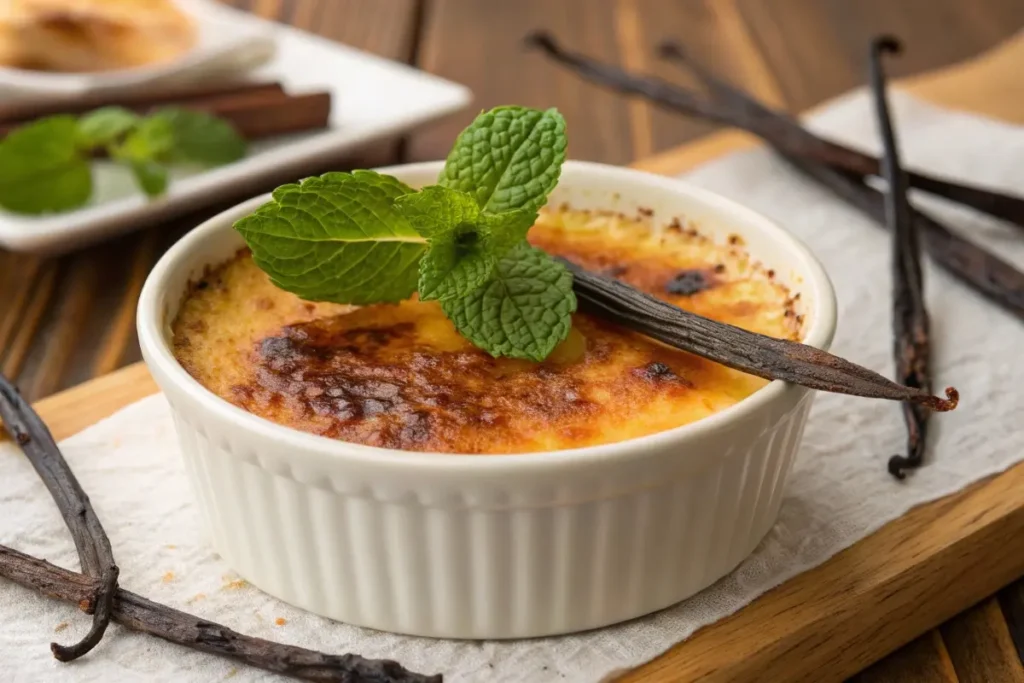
<point>507,546</point>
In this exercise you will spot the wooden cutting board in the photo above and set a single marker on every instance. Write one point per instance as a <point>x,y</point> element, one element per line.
<point>877,595</point>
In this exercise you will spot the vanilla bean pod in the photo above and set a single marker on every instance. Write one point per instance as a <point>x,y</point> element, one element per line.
<point>992,202</point>
<point>96,590</point>
<point>994,278</point>
<point>753,353</point>
<point>911,346</point>
<point>94,552</point>
<point>140,614</point>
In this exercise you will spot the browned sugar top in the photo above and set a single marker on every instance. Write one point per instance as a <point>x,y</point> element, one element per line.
<point>400,376</point>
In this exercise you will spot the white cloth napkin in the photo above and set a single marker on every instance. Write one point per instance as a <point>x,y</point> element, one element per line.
<point>229,43</point>
<point>839,491</point>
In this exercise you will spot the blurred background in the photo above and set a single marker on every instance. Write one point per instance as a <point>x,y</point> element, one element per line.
<point>64,320</point>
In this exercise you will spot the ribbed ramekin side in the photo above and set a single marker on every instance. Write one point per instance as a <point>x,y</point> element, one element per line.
<point>462,570</point>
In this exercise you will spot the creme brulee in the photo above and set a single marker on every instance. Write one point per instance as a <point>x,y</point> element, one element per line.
<point>400,376</point>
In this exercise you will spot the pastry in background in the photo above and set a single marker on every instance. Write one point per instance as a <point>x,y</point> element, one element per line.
<point>92,35</point>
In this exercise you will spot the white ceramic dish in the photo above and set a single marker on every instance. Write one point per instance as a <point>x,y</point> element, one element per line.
<point>372,98</point>
<point>509,546</point>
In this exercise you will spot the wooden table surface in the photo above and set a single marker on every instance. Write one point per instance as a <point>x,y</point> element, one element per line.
<point>65,320</point>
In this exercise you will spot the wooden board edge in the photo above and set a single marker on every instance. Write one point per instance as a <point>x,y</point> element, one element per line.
<point>70,411</point>
<point>874,597</point>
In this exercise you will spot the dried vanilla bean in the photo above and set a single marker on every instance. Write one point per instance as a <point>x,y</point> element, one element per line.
<point>992,202</point>
<point>25,427</point>
<point>992,277</point>
<point>911,346</point>
<point>140,614</point>
<point>95,590</point>
<point>753,353</point>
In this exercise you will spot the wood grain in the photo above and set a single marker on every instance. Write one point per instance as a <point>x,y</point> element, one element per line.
<point>829,57</point>
<point>1011,599</point>
<point>980,646</point>
<point>825,624</point>
<point>832,621</point>
<point>481,43</point>
<point>925,660</point>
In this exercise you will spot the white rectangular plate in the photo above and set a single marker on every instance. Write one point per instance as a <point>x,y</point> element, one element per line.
<point>372,98</point>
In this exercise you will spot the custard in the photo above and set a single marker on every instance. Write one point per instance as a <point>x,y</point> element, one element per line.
<point>399,375</point>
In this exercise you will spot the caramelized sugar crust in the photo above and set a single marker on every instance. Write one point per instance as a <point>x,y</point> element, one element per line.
<point>400,376</point>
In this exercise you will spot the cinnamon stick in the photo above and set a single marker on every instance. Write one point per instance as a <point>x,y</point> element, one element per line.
<point>140,101</point>
<point>264,115</point>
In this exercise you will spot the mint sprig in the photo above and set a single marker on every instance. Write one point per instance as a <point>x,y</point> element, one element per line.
<point>364,238</point>
<point>337,238</point>
<point>45,165</point>
<point>464,242</point>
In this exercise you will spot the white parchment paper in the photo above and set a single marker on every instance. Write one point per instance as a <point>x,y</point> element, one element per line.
<point>839,492</point>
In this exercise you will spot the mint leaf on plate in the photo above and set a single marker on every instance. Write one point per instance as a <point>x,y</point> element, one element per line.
<point>508,158</point>
<point>151,177</point>
<point>524,311</point>
<point>152,139</point>
<point>337,238</point>
<point>200,138</point>
<point>42,168</point>
<point>105,126</point>
<point>464,243</point>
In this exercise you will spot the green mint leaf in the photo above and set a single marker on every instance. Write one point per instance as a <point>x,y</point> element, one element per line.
<point>337,238</point>
<point>42,168</point>
<point>454,266</point>
<point>461,261</point>
<point>464,242</point>
<point>436,210</point>
<point>151,177</point>
<point>456,261</point>
<point>508,229</point>
<point>152,139</point>
<point>509,158</point>
<point>524,311</point>
<point>201,138</point>
<point>104,126</point>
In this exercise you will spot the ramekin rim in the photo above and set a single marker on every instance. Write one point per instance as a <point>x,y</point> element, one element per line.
<point>162,363</point>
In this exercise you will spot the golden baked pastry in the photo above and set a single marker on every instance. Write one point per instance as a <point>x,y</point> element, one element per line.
<point>400,376</point>
<point>92,35</point>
